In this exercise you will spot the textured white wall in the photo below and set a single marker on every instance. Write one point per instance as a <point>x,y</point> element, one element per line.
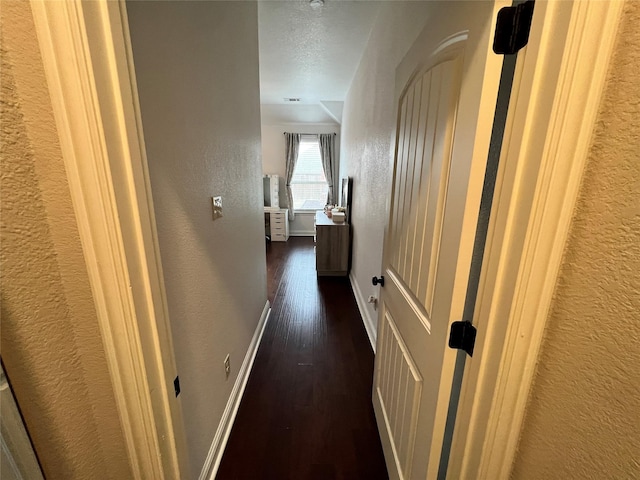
<point>51,342</point>
<point>197,70</point>
<point>584,409</point>
<point>368,130</point>
<point>273,160</point>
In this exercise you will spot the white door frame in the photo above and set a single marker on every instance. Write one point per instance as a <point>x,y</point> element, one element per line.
<point>556,95</point>
<point>86,52</point>
<point>88,62</point>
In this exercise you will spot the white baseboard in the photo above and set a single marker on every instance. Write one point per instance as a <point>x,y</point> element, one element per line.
<point>212,462</point>
<point>310,233</point>
<point>368,322</point>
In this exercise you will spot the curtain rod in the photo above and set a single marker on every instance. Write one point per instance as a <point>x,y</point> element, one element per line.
<point>284,133</point>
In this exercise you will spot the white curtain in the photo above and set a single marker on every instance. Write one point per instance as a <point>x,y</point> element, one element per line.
<point>292,146</point>
<point>327,149</point>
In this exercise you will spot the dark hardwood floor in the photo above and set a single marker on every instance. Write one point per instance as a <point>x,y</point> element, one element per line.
<point>306,411</point>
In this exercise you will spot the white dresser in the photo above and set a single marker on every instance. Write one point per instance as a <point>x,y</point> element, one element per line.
<point>278,220</point>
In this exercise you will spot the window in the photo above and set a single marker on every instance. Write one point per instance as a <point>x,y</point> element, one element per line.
<point>308,184</point>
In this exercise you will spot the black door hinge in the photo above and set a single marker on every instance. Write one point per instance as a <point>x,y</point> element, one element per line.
<point>512,28</point>
<point>176,385</point>
<point>463,337</point>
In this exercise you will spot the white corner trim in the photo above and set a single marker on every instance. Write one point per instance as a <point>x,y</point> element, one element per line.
<point>557,95</point>
<point>87,61</point>
<point>216,450</point>
<point>368,322</point>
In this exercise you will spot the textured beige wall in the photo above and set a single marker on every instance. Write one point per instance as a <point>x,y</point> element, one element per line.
<point>583,415</point>
<point>50,339</point>
<point>197,71</point>
<point>368,129</point>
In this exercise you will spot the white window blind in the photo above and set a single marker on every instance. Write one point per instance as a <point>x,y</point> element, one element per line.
<point>308,184</point>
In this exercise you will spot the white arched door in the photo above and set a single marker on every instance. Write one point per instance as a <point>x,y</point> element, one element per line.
<point>446,89</point>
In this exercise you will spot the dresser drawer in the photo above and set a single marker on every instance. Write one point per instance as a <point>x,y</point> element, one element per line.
<point>279,225</point>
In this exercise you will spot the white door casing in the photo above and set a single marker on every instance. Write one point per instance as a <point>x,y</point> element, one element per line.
<point>445,112</point>
<point>556,93</point>
<point>86,54</point>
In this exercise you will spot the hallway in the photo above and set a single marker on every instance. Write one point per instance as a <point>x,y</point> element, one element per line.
<point>306,411</point>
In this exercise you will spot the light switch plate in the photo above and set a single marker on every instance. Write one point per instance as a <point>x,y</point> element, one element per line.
<point>216,205</point>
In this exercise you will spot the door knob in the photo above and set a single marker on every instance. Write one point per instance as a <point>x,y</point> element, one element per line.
<point>376,281</point>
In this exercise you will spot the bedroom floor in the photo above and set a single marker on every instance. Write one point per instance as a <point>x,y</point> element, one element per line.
<point>306,411</point>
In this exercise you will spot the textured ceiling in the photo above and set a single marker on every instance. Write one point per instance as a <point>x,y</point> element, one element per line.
<point>312,54</point>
